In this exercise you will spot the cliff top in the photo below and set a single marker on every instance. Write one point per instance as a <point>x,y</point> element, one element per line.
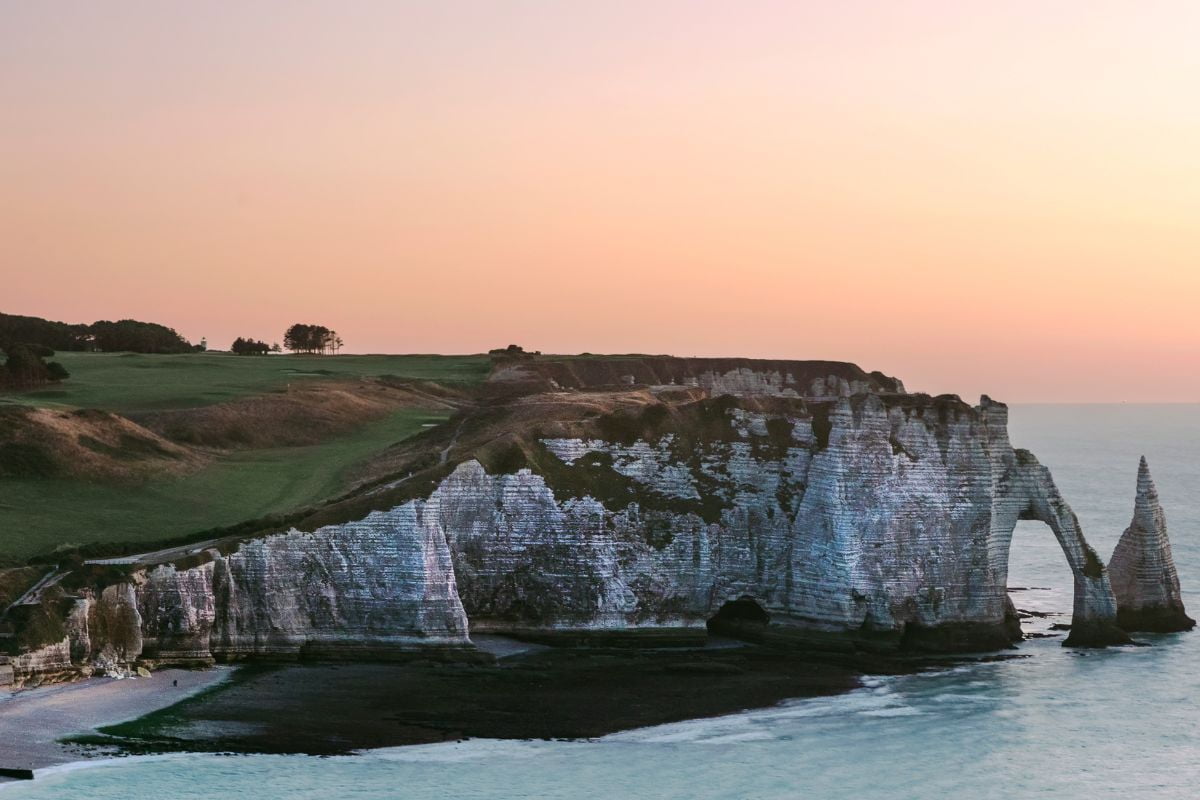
<point>528,373</point>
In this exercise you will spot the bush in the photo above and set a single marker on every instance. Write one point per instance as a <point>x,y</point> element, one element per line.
<point>24,366</point>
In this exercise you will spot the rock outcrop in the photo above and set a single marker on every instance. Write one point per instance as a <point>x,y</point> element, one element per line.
<point>880,518</point>
<point>735,376</point>
<point>47,663</point>
<point>825,499</point>
<point>1142,568</point>
<point>379,588</point>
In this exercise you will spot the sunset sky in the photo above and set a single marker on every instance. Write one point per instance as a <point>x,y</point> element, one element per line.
<point>997,197</point>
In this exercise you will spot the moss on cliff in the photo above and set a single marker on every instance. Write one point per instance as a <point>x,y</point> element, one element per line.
<point>1092,566</point>
<point>37,626</point>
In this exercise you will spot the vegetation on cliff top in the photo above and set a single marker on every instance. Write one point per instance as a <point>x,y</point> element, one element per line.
<point>129,382</point>
<point>38,515</point>
<point>242,472</point>
<point>260,480</point>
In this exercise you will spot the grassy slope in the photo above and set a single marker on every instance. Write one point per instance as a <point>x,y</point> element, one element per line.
<point>38,515</point>
<point>128,382</point>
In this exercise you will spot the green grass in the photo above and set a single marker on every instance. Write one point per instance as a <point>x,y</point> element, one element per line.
<point>130,382</point>
<point>37,515</point>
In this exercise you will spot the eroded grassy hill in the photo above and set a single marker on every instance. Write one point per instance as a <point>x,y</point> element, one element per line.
<point>145,447</point>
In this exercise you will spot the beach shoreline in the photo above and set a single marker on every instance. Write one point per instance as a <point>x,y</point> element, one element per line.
<point>530,692</point>
<point>342,708</point>
<point>33,721</point>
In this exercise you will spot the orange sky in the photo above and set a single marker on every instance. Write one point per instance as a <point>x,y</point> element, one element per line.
<point>976,197</point>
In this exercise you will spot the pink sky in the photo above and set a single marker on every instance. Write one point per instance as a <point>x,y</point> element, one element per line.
<point>976,197</point>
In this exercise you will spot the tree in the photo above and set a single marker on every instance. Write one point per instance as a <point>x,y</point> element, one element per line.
<point>513,351</point>
<point>15,329</point>
<point>137,337</point>
<point>25,365</point>
<point>304,338</point>
<point>126,334</point>
<point>57,371</point>
<point>249,347</point>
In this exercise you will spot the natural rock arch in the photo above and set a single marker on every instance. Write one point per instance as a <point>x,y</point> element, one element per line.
<point>1027,492</point>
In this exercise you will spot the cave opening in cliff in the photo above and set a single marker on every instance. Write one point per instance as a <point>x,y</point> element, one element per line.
<point>743,618</point>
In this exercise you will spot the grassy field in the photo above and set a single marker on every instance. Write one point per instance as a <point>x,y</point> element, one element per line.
<point>131,382</point>
<point>38,515</point>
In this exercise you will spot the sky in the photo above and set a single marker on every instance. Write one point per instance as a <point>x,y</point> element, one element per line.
<point>998,198</point>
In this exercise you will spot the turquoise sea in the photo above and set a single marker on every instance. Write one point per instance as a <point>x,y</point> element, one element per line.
<point>1121,723</point>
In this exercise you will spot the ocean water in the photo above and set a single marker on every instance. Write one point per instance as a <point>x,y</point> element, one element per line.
<point>1119,723</point>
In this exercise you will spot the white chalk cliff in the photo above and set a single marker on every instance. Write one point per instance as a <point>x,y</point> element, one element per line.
<point>1142,568</point>
<point>864,515</point>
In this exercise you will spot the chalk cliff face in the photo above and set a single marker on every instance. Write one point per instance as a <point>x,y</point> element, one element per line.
<point>845,509</point>
<point>377,588</point>
<point>380,585</point>
<point>1143,573</point>
<point>885,517</point>
<point>736,376</point>
<point>45,663</point>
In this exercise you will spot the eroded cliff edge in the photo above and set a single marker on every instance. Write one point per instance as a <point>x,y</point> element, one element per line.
<point>850,513</point>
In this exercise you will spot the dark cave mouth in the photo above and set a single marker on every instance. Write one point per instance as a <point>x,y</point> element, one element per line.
<point>740,618</point>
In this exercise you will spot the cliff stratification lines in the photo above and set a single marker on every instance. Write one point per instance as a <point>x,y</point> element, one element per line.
<point>635,499</point>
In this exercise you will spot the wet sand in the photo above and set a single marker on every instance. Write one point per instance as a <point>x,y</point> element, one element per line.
<point>327,709</point>
<point>33,720</point>
<point>530,692</point>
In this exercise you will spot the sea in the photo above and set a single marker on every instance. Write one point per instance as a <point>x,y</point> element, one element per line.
<point>1051,722</point>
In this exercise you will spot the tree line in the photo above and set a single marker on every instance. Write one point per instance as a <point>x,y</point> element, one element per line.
<point>26,342</point>
<point>299,338</point>
<point>129,335</point>
<point>305,338</point>
<point>252,347</point>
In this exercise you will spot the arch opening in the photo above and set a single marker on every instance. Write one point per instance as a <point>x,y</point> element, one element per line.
<point>1040,585</point>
